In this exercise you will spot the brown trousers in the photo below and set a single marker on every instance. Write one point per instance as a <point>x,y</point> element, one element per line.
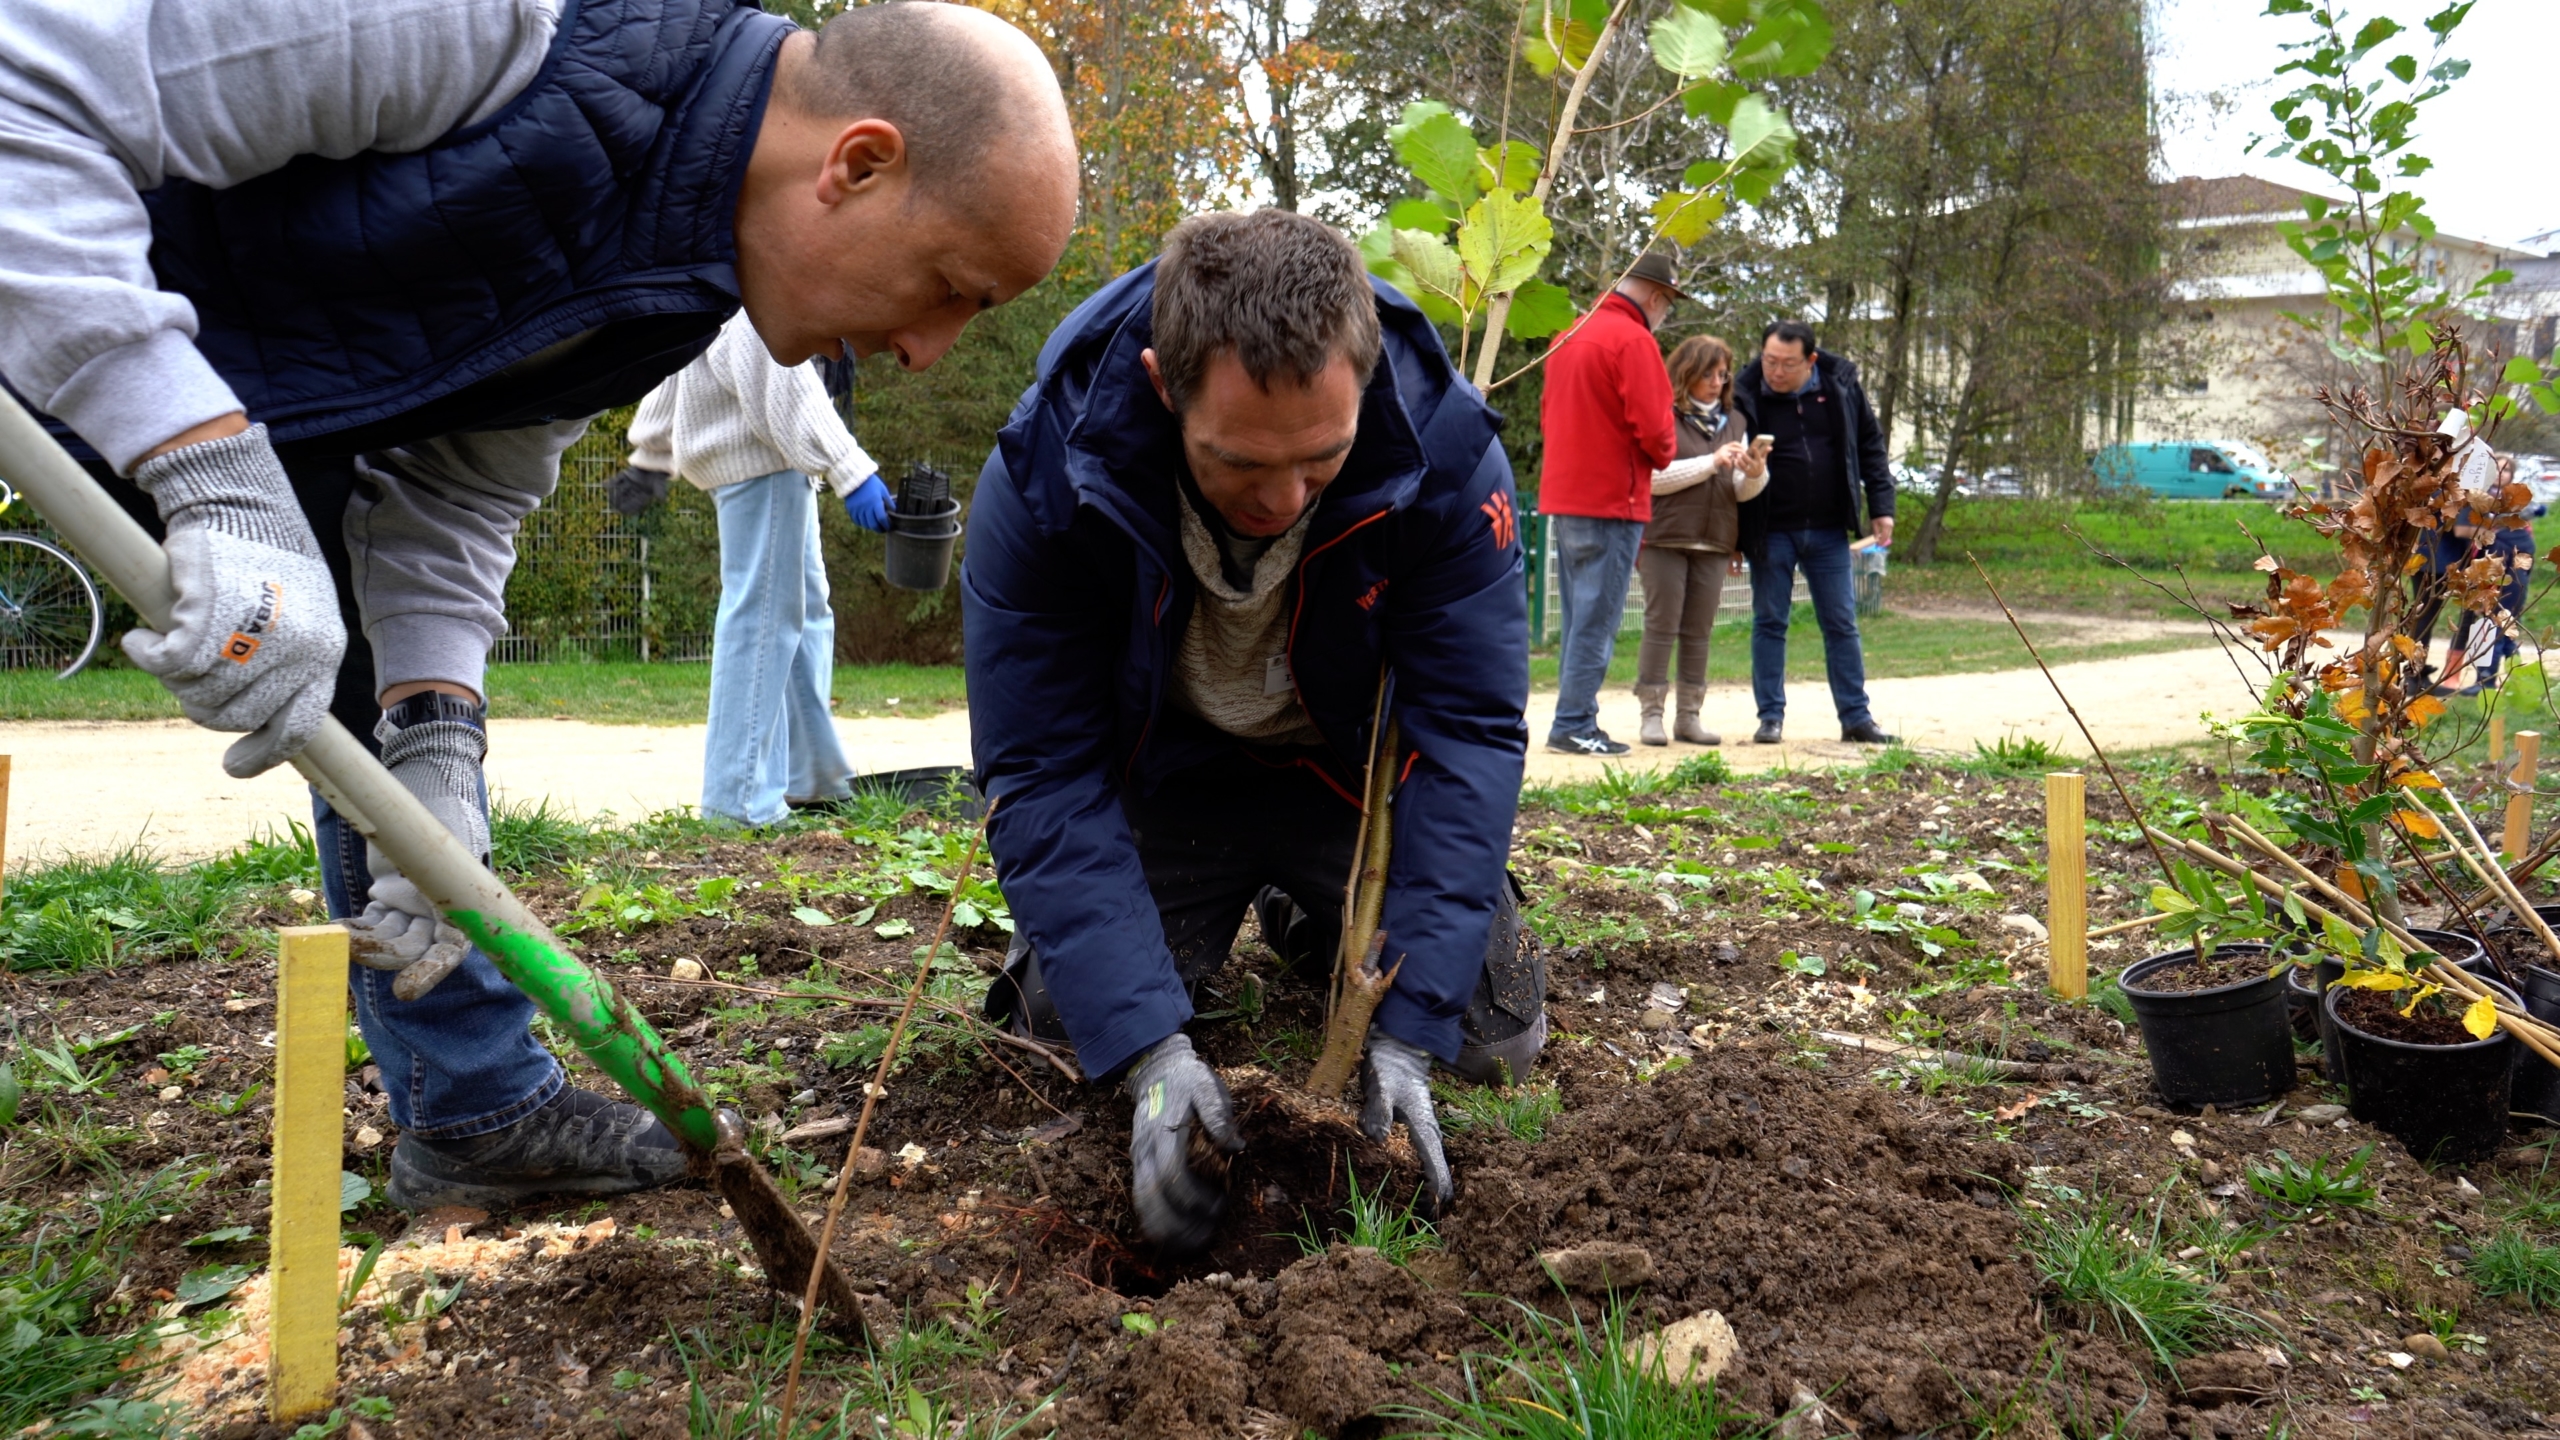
<point>1682,589</point>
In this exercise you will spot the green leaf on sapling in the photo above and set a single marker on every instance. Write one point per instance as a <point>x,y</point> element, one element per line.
<point>1685,216</point>
<point>1511,165</point>
<point>1503,241</point>
<point>1713,101</point>
<point>227,1235</point>
<point>1440,150</point>
<point>1687,43</point>
<point>1426,215</point>
<point>1433,265</point>
<point>1757,131</point>
<point>1539,309</point>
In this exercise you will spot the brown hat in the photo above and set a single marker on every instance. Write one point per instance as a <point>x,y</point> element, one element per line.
<point>1654,265</point>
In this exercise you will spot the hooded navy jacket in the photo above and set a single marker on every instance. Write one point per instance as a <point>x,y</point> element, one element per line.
<point>1075,595</point>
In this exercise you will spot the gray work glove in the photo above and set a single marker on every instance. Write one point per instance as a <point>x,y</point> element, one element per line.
<point>1397,1080</point>
<point>1177,1206</point>
<point>400,929</point>
<point>632,489</point>
<point>254,640</point>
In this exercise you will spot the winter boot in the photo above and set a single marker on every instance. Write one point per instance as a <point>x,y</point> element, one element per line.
<point>1650,698</point>
<point>1686,728</point>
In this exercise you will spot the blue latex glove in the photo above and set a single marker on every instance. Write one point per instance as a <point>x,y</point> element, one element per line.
<point>868,505</point>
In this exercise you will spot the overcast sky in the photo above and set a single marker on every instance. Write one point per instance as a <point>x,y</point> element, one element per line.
<point>2211,72</point>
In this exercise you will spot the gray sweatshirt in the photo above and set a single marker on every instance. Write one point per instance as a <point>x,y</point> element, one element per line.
<point>101,100</point>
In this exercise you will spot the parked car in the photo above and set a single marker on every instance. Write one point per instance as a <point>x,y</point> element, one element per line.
<point>2193,470</point>
<point>1923,479</point>
<point>2540,473</point>
<point>2002,481</point>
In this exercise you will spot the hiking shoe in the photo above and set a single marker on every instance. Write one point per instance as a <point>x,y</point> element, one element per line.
<point>1767,734</point>
<point>1867,732</point>
<point>579,1144</point>
<point>1589,742</point>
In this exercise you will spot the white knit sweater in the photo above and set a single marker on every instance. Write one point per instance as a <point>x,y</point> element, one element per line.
<point>734,414</point>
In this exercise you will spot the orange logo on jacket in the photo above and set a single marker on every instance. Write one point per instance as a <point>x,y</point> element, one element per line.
<point>244,642</point>
<point>1506,525</point>
<point>1369,598</point>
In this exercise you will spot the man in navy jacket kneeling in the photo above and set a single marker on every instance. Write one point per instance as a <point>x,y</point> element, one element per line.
<point>1246,490</point>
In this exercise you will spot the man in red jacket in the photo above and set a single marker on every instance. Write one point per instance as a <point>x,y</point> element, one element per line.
<point>1607,422</point>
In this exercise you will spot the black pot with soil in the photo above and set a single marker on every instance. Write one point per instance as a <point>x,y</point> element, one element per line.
<point>2537,1082</point>
<point>2422,1078</point>
<point>2304,986</point>
<point>2215,1028</point>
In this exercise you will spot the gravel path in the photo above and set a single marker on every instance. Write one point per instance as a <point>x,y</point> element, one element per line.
<point>89,789</point>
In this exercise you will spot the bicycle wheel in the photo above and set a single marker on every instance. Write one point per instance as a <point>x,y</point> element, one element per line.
<point>49,612</point>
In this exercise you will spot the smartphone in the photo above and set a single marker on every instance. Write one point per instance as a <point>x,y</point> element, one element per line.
<point>1761,445</point>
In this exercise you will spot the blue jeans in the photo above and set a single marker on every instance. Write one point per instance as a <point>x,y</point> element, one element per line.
<point>459,1060</point>
<point>773,654</point>
<point>1823,555</point>
<point>1595,558</point>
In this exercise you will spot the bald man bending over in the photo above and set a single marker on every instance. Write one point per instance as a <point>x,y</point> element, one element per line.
<point>327,286</point>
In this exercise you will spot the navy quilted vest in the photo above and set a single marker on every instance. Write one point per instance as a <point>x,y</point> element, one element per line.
<point>557,259</point>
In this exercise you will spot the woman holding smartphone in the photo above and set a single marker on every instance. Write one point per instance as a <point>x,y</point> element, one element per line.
<point>1689,544</point>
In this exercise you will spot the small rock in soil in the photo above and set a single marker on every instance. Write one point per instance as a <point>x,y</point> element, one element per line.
<point>826,1129</point>
<point>1599,1266</point>
<point>687,969</point>
<point>2465,1188</point>
<point>2426,1347</point>
<point>1654,1020</point>
<point>1690,1352</point>
<point>2026,925</point>
<point>2320,1114</point>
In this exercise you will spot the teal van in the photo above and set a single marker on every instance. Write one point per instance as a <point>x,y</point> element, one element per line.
<point>2193,470</point>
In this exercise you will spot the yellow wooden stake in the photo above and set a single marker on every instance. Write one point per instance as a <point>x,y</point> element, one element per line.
<point>2066,881</point>
<point>311,1103</point>
<point>2497,737</point>
<point>2519,835</point>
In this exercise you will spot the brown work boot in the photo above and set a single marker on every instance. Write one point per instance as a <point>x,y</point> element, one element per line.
<point>1686,728</point>
<point>1650,697</point>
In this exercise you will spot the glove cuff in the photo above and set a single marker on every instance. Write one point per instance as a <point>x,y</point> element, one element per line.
<point>234,485</point>
<point>1175,1045</point>
<point>434,743</point>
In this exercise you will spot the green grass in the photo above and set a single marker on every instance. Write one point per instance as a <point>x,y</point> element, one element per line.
<point>2109,1265</point>
<point>734,1383</point>
<point>607,692</point>
<point>1894,643</point>
<point>1524,1111</point>
<point>56,1271</point>
<point>1378,1223</point>
<point>2038,565</point>
<point>2513,1263</point>
<point>78,913</point>
<point>1554,1380</point>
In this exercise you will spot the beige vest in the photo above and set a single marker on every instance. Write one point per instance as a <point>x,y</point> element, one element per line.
<point>1232,669</point>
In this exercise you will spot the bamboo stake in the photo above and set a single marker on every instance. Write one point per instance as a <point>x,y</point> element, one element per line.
<point>2066,803</point>
<point>4,827</point>
<point>2249,835</point>
<point>2139,922</point>
<point>871,1094</point>
<point>2496,878</point>
<point>2519,836</point>
<point>302,1238</point>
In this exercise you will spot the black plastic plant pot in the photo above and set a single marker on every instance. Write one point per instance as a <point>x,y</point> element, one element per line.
<point>2462,948</point>
<point>2302,1000</point>
<point>2537,1092</point>
<point>2447,1103</point>
<point>2229,1045</point>
<point>918,553</point>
